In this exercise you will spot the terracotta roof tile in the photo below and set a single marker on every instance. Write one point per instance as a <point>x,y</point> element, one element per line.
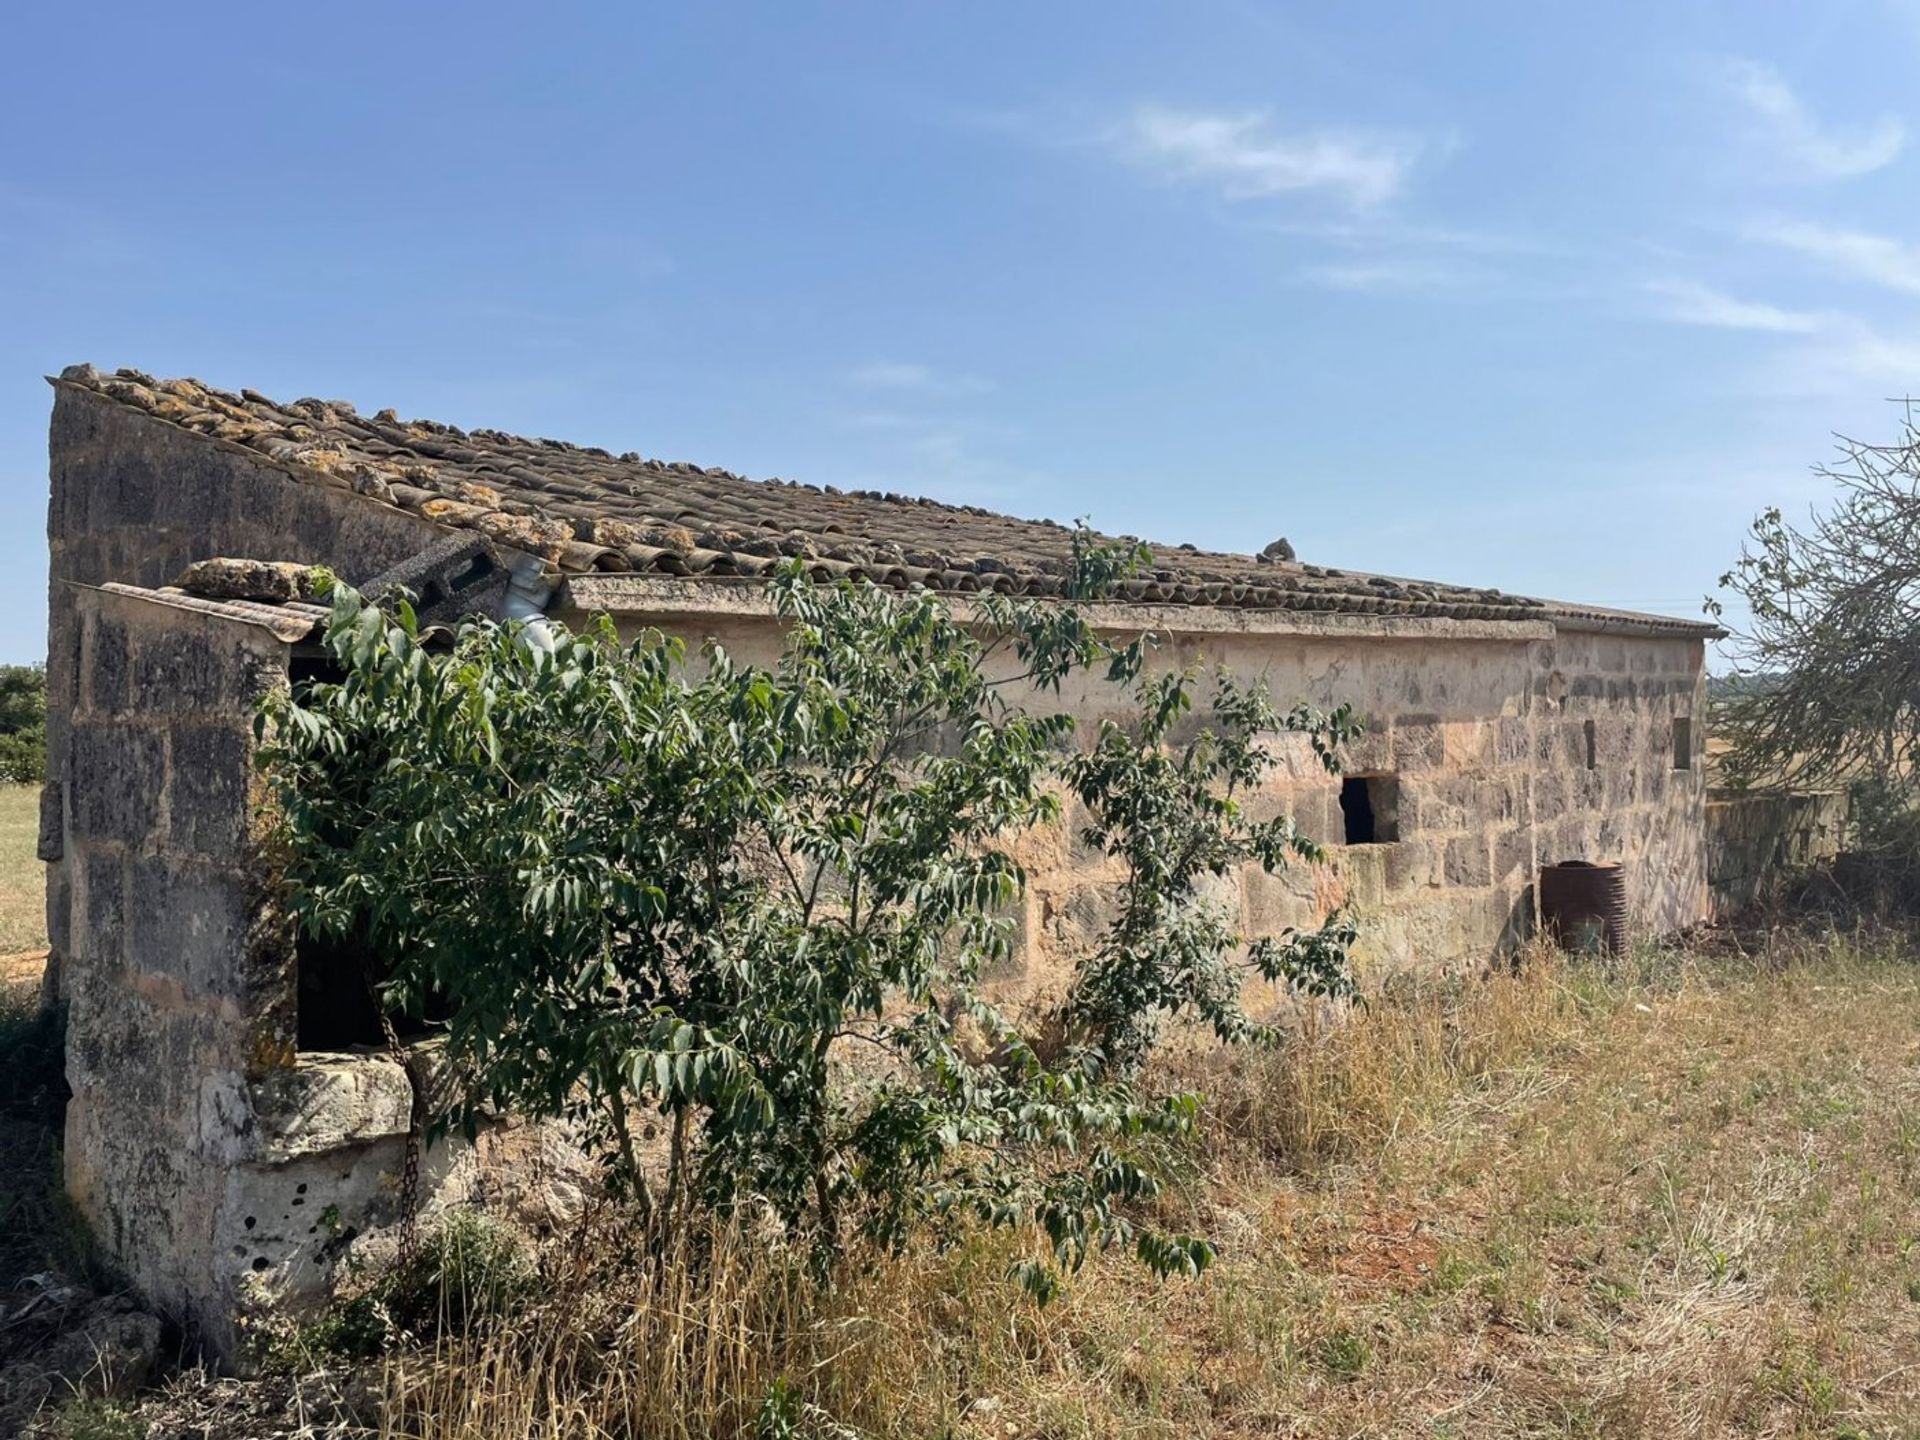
<point>584,509</point>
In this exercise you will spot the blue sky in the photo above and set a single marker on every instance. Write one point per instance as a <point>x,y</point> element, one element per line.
<point>1546,297</point>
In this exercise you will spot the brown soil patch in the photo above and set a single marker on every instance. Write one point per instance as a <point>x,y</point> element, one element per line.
<point>23,967</point>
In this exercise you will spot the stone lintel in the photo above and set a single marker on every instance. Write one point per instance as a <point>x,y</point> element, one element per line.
<point>672,601</point>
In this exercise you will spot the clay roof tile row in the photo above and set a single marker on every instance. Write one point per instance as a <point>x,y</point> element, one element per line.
<point>584,509</point>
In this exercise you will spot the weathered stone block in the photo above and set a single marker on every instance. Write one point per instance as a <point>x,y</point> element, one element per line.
<point>193,925</point>
<point>182,669</point>
<point>106,665</point>
<point>207,806</point>
<point>1418,744</point>
<point>1364,869</point>
<point>1468,862</point>
<point>325,1102</point>
<point>1512,853</point>
<point>1513,741</point>
<point>1372,749</point>
<point>1414,865</point>
<point>51,842</point>
<point>116,775</point>
<point>1467,744</point>
<point>103,880</point>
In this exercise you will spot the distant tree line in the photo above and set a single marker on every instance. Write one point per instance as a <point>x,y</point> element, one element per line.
<point>23,724</point>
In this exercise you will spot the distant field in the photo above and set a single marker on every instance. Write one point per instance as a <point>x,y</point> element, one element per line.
<point>23,879</point>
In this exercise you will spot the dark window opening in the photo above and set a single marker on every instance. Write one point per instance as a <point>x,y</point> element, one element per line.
<point>334,1008</point>
<point>1682,743</point>
<point>1591,758</point>
<point>334,1005</point>
<point>1369,806</point>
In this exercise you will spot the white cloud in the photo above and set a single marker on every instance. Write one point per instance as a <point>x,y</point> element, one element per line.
<point>1884,261</point>
<point>1247,158</point>
<point>916,379</point>
<point>1813,151</point>
<point>1831,353</point>
<point>1686,302</point>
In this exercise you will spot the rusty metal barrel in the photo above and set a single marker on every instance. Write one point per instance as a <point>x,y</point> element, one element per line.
<point>1583,906</point>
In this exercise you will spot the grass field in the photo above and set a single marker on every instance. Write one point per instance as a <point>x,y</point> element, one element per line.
<point>1677,1197</point>
<point>23,879</point>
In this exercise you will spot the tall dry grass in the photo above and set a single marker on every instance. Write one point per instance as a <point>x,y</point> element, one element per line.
<point>739,1339</point>
<point>1676,1196</point>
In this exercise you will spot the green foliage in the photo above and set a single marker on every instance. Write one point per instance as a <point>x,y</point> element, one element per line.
<point>93,1418</point>
<point>23,724</point>
<point>1344,1354</point>
<point>759,903</point>
<point>468,1269</point>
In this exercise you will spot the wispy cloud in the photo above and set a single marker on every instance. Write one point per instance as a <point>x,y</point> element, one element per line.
<point>1876,258</point>
<point>1245,156</point>
<point>1850,355</point>
<point>1814,151</point>
<point>1387,274</point>
<point>1687,302</point>
<point>899,377</point>
<point>1830,352</point>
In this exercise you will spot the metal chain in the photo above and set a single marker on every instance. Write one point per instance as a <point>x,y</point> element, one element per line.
<point>410,1170</point>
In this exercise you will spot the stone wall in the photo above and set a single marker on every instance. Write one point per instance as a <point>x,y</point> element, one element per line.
<point>211,1160</point>
<point>179,980</point>
<point>135,499</point>
<point>1607,781</point>
<point>1752,838</point>
<point>1509,746</point>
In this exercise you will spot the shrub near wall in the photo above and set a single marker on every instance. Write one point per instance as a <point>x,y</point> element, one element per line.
<point>641,888</point>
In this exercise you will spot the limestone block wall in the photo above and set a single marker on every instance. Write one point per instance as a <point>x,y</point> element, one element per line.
<point>1506,746</point>
<point>179,982</point>
<point>135,499</point>
<point>1754,836</point>
<point>1620,766</point>
<point>211,1160</point>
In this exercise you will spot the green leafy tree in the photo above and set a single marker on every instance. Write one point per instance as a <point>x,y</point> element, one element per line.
<point>754,906</point>
<point>23,724</point>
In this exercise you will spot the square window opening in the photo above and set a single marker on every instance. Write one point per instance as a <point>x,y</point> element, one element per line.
<point>1370,809</point>
<point>1682,742</point>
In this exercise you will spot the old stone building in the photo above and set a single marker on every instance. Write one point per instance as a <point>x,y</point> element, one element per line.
<point>227,1091</point>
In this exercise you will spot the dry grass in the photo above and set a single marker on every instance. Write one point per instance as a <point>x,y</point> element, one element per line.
<point>23,879</point>
<point>1675,1199</point>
